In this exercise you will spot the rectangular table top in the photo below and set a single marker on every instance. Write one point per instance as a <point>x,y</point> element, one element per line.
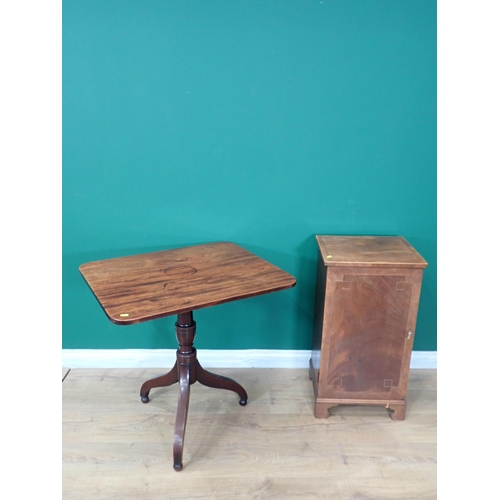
<point>143,287</point>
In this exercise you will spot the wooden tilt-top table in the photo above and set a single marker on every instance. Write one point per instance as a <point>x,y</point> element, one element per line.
<point>149,286</point>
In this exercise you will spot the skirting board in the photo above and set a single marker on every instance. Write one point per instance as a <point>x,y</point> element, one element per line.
<point>165,358</point>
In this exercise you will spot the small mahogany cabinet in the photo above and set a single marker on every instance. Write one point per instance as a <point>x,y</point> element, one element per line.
<point>367,295</point>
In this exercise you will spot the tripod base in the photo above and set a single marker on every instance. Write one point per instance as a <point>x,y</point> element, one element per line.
<point>187,370</point>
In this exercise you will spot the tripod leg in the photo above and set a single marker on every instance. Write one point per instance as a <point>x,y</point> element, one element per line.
<point>181,416</point>
<point>163,381</point>
<point>210,379</point>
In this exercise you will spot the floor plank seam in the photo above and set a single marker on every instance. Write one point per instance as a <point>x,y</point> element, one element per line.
<point>67,373</point>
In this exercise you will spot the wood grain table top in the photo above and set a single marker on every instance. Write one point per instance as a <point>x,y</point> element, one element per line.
<point>368,251</point>
<point>153,285</point>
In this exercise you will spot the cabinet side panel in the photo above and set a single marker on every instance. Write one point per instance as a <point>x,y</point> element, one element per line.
<point>416,277</point>
<point>319,310</point>
<point>370,328</point>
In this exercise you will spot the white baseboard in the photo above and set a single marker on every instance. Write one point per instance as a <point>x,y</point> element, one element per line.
<point>165,358</point>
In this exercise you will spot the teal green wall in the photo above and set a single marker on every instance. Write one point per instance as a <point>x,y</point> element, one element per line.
<point>261,123</point>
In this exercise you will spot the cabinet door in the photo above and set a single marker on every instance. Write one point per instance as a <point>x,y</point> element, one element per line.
<point>369,344</point>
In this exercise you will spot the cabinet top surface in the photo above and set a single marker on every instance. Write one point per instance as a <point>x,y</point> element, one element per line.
<point>367,251</point>
<point>149,286</point>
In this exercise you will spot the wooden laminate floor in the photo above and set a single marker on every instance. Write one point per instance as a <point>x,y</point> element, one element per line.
<point>115,447</point>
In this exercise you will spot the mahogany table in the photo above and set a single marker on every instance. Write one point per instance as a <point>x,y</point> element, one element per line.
<point>153,285</point>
